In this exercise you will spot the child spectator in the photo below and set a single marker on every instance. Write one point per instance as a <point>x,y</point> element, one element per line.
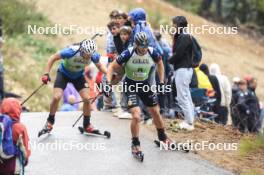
<point>114,29</point>
<point>10,119</point>
<point>121,19</point>
<point>125,34</point>
<point>110,46</point>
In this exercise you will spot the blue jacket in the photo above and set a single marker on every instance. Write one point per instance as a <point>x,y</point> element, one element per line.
<point>138,15</point>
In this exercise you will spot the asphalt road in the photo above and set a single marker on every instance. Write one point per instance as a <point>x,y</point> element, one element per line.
<point>67,152</point>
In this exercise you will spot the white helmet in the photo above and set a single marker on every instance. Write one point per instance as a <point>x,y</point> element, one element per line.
<point>89,46</point>
<point>141,39</point>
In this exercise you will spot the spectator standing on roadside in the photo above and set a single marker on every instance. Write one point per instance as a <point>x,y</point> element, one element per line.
<point>183,71</point>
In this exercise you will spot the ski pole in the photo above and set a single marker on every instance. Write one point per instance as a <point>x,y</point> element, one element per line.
<point>92,100</point>
<point>85,100</point>
<point>97,34</point>
<point>77,120</point>
<point>32,94</point>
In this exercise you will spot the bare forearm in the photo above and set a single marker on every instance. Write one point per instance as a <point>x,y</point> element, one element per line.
<point>50,63</point>
<point>103,69</point>
<point>109,72</point>
<point>161,72</point>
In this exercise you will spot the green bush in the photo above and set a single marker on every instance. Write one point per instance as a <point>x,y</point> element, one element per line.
<point>18,14</point>
<point>250,145</point>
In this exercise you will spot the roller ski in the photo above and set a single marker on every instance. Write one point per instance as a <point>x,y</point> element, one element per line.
<point>94,132</point>
<point>136,151</point>
<point>46,129</point>
<point>169,145</point>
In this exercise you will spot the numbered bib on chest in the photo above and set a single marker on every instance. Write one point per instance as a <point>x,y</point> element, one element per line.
<point>76,63</point>
<point>138,67</point>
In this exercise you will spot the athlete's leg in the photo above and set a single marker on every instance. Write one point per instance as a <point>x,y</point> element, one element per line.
<point>133,107</point>
<point>134,126</point>
<point>56,97</point>
<point>82,87</point>
<point>84,93</point>
<point>151,101</point>
<point>59,86</point>
<point>157,118</point>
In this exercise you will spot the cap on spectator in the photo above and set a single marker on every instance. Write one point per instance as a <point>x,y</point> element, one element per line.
<point>248,78</point>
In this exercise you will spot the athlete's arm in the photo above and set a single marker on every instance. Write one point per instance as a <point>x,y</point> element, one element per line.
<point>158,60</point>
<point>160,70</point>
<point>101,67</point>
<point>112,66</point>
<point>53,58</point>
<point>117,63</point>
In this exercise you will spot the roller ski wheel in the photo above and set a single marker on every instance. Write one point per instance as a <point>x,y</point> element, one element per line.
<point>46,129</point>
<point>137,153</point>
<point>94,132</point>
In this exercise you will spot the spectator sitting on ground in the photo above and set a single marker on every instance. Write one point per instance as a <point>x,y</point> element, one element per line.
<point>235,87</point>
<point>214,82</point>
<point>252,85</point>
<point>226,94</point>
<point>246,109</point>
<point>204,82</point>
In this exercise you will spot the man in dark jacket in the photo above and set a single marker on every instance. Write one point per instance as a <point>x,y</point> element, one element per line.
<point>183,71</point>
